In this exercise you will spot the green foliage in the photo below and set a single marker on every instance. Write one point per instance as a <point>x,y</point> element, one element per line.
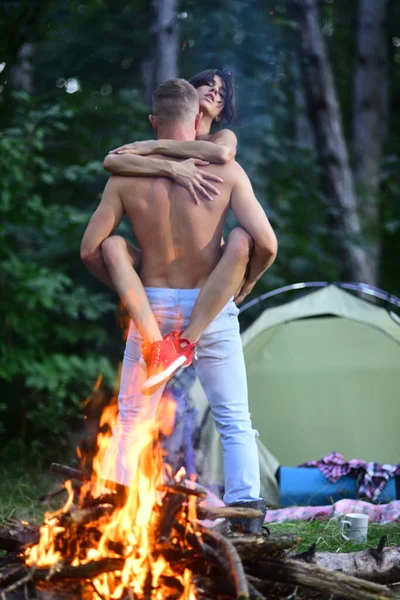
<point>87,63</point>
<point>50,355</point>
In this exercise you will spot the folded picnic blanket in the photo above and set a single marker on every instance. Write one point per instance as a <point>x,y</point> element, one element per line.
<point>377,513</point>
<point>372,477</point>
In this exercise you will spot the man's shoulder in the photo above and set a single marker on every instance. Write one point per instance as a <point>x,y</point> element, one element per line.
<point>116,181</point>
<point>234,169</point>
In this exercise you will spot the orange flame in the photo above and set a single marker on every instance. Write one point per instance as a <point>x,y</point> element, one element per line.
<point>132,526</point>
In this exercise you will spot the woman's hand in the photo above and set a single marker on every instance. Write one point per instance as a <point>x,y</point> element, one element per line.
<point>244,291</point>
<point>195,180</point>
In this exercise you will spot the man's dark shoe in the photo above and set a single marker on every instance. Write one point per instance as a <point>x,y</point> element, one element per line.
<point>248,525</point>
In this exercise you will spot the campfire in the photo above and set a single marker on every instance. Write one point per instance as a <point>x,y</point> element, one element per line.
<point>159,540</point>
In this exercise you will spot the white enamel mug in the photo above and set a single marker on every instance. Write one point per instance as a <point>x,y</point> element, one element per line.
<point>354,527</point>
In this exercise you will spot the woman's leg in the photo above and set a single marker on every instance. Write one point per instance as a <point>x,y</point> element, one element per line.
<point>123,263</point>
<point>224,282</point>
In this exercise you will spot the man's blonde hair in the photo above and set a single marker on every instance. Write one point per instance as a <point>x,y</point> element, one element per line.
<point>175,100</point>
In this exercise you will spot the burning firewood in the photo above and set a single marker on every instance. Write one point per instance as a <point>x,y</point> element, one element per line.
<point>250,564</point>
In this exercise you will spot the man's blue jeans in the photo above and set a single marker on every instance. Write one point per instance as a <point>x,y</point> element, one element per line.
<point>221,370</point>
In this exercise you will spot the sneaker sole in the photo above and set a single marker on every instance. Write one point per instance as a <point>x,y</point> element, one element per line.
<point>153,383</point>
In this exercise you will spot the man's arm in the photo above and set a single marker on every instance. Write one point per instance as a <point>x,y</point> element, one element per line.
<point>104,221</point>
<point>253,219</point>
<point>218,148</point>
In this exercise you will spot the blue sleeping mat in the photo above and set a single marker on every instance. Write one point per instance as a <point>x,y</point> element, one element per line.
<point>307,486</point>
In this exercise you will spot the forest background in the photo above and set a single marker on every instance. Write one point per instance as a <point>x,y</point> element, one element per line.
<point>318,86</point>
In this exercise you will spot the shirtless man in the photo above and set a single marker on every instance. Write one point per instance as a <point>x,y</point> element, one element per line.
<point>233,276</point>
<point>181,245</point>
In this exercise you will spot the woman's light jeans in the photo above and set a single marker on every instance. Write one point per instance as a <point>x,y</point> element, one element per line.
<point>221,370</point>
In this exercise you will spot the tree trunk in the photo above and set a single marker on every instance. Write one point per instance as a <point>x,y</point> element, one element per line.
<point>163,64</point>
<point>325,116</point>
<point>303,130</point>
<point>370,116</point>
<point>167,40</point>
<point>21,72</point>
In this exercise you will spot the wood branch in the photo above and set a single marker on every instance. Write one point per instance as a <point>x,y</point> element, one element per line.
<point>317,578</point>
<point>172,504</point>
<point>232,558</point>
<point>15,535</point>
<point>250,547</point>
<point>182,489</point>
<point>227,512</point>
<point>89,570</point>
<point>85,515</point>
<point>68,472</point>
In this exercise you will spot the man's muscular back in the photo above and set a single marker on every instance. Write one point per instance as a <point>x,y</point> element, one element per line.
<point>180,241</point>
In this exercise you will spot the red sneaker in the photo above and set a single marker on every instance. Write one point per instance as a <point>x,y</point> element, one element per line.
<point>183,346</point>
<point>162,362</point>
<point>146,350</point>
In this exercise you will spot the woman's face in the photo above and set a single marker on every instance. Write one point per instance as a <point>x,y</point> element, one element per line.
<point>212,97</point>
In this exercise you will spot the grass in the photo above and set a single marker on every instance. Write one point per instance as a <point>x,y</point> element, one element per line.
<point>20,492</point>
<point>327,536</point>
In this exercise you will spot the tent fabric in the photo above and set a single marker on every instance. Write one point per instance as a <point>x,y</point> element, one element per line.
<point>323,375</point>
<point>329,300</point>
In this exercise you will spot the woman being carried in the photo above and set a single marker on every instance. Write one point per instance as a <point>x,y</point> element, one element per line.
<point>240,265</point>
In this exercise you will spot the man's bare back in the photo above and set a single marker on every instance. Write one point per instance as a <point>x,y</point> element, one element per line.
<point>180,241</point>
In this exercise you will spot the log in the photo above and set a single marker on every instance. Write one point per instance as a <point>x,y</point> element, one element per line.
<point>253,547</point>
<point>86,515</point>
<point>317,578</point>
<point>88,570</point>
<point>16,534</point>
<point>233,561</point>
<point>183,490</point>
<point>227,512</point>
<point>68,472</point>
<point>383,567</point>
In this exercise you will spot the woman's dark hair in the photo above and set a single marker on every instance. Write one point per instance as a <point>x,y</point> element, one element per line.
<point>206,77</point>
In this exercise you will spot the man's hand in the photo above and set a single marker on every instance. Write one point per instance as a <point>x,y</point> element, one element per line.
<point>195,180</point>
<point>244,291</point>
<point>141,148</point>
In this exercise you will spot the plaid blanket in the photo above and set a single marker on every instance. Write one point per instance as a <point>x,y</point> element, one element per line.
<point>371,476</point>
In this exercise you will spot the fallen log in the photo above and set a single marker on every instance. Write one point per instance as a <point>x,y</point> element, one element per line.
<point>253,547</point>
<point>86,515</point>
<point>183,490</point>
<point>315,577</point>
<point>68,472</point>
<point>232,559</point>
<point>16,534</point>
<point>381,567</point>
<point>227,512</point>
<point>92,569</point>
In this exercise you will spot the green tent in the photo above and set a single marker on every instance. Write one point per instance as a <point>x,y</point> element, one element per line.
<point>324,375</point>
